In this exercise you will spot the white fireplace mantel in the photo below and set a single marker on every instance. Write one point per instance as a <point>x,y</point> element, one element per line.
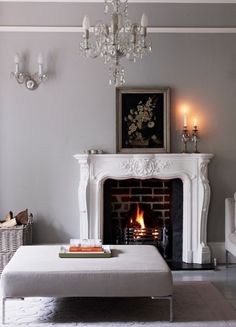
<point>192,169</point>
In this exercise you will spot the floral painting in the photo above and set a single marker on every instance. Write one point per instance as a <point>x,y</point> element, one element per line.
<point>142,120</point>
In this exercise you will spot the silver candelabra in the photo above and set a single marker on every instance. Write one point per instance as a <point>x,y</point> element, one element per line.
<point>186,137</point>
<point>195,139</point>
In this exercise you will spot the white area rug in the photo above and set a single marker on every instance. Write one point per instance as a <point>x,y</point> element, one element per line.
<point>195,304</point>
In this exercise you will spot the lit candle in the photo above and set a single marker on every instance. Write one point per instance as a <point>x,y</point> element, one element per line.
<point>40,63</point>
<point>185,116</point>
<point>185,120</point>
<point>195,123</point>
<point>17,61</point>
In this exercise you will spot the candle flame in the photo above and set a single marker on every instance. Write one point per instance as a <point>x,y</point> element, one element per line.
<point>185,109</point>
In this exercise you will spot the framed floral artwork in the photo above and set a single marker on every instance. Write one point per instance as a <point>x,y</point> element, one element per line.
<point>143,120</point>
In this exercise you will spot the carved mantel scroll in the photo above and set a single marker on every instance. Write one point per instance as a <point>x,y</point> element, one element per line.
<point>145,167</point>
<point>192,169</point>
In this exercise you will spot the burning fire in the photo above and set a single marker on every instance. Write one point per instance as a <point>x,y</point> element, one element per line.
<point>139,219</point>
<point>140,231</point>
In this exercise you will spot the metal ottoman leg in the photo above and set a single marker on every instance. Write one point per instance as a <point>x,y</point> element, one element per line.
<point>3,309</point>
<point>170,298</point>
<point>171,308</point>
<point>4,299</point>
<point>227,258</point>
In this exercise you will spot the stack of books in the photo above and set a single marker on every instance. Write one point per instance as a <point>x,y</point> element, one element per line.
<point>85,248</point>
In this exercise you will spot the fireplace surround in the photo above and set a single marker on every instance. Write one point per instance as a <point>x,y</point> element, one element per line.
<point>192,169</point>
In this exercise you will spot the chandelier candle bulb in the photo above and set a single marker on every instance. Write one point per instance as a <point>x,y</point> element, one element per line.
<point>107,30</point>
<point>144,20</point>
<point>195,123</point>
<point>86,25</point>
<point>144,24</point>
<point>114,23</point>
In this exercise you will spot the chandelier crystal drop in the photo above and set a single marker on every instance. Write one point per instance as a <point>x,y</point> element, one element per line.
<point>118,39</point>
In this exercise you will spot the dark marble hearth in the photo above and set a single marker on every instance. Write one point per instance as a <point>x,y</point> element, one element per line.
<point>174,266</point>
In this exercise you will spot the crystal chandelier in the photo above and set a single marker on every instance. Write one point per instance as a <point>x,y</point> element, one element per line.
<point>121,38</point>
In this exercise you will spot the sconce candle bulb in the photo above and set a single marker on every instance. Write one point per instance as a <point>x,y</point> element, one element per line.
<point>40,63</point>
<point>17,61</point>
<point>17,58</point>
<point>40,58</point>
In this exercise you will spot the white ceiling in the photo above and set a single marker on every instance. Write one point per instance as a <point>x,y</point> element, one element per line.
<point>130,1</point>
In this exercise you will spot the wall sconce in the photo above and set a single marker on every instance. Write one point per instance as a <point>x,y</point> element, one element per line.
<point>31,81</point>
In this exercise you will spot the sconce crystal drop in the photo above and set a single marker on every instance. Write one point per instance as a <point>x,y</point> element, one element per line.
<point>119,39</point>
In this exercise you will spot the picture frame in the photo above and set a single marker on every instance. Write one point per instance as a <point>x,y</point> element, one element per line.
<point>143,120</point>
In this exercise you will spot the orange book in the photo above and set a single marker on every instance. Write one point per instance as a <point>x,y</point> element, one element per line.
<point>85,249</point>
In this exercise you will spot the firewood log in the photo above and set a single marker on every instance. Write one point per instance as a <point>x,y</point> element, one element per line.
<point>10,223</point>
<point>8,216</point>
<point>22,217</point>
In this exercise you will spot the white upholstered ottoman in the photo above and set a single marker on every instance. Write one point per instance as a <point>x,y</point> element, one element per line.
<point>132,271</point>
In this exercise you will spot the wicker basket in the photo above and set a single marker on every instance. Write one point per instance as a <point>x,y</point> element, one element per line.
<point>11,239</point>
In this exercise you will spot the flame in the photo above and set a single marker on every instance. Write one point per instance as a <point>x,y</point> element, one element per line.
<point>139,217</point>
<point>138,220</point>
<point>137,229</point>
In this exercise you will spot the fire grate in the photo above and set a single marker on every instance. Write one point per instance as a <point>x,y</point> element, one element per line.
<point>133,235</point>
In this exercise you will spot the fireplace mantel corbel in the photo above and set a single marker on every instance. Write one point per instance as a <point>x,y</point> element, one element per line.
<point>192,169</point>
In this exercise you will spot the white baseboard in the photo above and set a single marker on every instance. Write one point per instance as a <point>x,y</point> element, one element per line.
<point>218,252</point>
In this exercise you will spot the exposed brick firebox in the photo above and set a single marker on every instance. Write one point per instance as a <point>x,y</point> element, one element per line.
<point>154,196</point>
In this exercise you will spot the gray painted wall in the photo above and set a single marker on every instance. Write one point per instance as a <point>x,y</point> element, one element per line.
<point>40,131</point>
